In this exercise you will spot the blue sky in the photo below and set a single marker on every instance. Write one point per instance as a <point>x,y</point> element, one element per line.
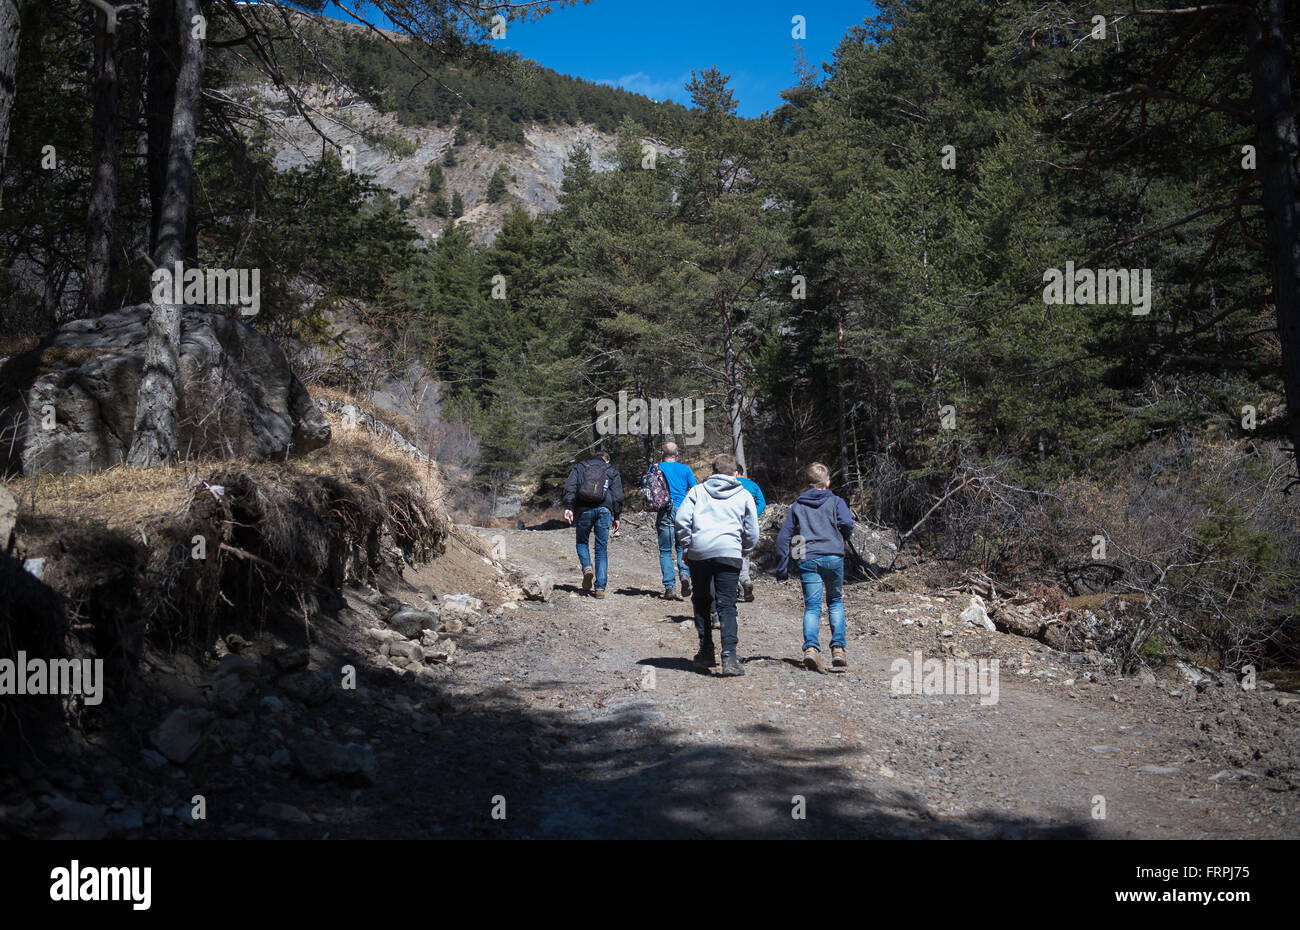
<point>651,47</point>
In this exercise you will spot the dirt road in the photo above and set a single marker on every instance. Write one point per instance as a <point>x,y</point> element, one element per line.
<point>586,718</point>
<point>577,717</point>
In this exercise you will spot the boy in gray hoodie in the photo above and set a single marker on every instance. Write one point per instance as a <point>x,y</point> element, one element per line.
<point>817,525</point>
<point>716,523</point>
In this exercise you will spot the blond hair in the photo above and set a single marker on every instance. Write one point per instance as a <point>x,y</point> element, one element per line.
<point>817,475</point>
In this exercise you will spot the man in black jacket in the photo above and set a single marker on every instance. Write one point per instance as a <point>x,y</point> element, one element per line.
<point>593,500</point>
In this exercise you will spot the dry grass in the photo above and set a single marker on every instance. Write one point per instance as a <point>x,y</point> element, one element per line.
<point>131,501</point>
<point>397,421</point>
<point>16,345</point>
<point>118,498</point>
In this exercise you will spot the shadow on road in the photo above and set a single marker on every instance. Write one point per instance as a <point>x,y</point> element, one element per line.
<point>621,773</point>
<point>552,524</point>
<point>641,592</point>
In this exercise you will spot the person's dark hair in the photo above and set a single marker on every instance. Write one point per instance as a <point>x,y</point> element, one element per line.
<point>605,456</point>
<point>740,469</point>
<point>724,464</point>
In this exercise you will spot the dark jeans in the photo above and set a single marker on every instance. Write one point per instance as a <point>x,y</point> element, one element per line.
<point>598,519</point>
<point>708,576</point>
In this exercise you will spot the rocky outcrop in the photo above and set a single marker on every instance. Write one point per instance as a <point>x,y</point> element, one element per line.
<point>535,170</point>
<point>875,544</point>
<point>68,406</point>
<point>356,417</point>
<point>8,517</point>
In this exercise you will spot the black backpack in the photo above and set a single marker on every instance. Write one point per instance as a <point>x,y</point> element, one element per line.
<point>593,483</point>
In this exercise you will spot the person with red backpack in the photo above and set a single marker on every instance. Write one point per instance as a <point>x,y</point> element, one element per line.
<point>593,500</point>
<point>664,487</point>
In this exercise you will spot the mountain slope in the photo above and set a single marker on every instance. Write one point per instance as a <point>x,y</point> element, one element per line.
<point>399,156</point>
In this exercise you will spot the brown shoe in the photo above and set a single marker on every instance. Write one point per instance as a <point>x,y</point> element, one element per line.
<point>598,593</point>
<point>812,660</point>
<point>588,576</point>
<point>838,658</point>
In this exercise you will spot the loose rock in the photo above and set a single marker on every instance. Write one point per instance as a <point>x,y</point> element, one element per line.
<point>321,760</point>
<point>409,622</point>
<point>538,587</point>
<point>312,688</point>
<point>181,734</point>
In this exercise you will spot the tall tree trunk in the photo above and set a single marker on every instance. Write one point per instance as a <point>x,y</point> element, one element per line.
<point>647,442</point>
<point>839,390</point>
<point>877,444</point>
<point>156,438</point>
<point>103,181</point>
<point>163,69</point>
<point>1270,72</point>
<point>135,84</point>
<point>735,390</point>
<point>10,21</point>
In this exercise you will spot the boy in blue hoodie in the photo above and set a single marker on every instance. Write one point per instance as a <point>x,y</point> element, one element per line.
<point>818,523</point>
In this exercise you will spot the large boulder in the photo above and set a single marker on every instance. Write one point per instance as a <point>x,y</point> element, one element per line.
<point>538,587</point>
<point>876,544</point>
<point>238,395</point>
<point>8,517</point>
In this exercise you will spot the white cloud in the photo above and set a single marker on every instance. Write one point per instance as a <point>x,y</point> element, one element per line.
<point>642,83</point>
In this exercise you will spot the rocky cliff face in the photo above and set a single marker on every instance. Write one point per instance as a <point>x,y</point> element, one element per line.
<point>68,406</point>
<point>380,142</point>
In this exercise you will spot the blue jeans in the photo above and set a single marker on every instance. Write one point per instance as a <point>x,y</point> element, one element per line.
<point>666,526</point>
<point>598,519</point>
<point>827,572</point>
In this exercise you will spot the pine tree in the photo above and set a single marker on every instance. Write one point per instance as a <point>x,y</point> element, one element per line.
<point>496,189</point>
<point>735,231</point>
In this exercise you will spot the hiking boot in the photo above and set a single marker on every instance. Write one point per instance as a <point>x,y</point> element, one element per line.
<point>686,586</point>
<point>747,589</point>
<point>812,660</point>
<point>717,623</point>
<point>599,592</point>
<point>705,658</point>
<point>670,594</point>
<point>838,658</point>
<point>588,576</point>
<point>731,665</point>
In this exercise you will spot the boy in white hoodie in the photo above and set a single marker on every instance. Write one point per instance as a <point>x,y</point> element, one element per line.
<point>716,524</point>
